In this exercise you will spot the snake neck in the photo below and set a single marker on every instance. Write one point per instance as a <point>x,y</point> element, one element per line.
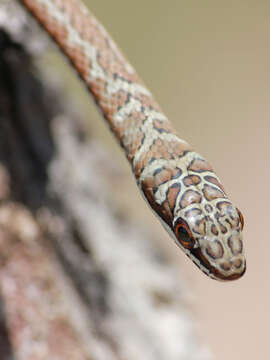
<point>130,109</point>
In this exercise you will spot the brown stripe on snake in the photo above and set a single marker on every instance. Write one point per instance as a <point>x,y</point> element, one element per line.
<point>214,181</point>
<point>212,193</point>
<point>191,180</point>
<point>190,197</point>
<point>199,165</point>
<point>179,185</point>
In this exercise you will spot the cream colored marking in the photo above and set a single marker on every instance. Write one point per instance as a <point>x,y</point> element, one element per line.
<point>135,105</point>
<point>181,163</point>
<point>127,109</point>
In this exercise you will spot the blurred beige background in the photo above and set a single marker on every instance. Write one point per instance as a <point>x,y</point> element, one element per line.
<point>207,62</point>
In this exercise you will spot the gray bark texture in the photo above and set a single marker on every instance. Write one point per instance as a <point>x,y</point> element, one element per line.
<point>76,280</point>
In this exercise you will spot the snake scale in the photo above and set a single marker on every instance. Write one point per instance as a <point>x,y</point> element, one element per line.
<point>179,184</point>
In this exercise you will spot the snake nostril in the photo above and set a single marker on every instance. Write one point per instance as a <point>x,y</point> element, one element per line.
<point>226,266</point>
<point>237,263</point>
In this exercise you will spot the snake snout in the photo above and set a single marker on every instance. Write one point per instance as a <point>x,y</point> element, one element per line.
<point>224,259</point>
<point>227,270</point>
<point>233,269</point>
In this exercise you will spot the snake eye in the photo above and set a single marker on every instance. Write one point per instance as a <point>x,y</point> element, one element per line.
<point>183,234</point>
<point>241,217</point>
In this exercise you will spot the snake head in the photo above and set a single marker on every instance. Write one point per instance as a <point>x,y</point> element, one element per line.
<point>212,239</point>
<point>193,207</point>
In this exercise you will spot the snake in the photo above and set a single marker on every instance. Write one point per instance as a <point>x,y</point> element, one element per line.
<point>180,186</point>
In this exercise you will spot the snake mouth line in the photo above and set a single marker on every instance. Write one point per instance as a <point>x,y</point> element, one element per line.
<point>204,265</point>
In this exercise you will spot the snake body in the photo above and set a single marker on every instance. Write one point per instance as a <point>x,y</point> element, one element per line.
<point>178,183</point>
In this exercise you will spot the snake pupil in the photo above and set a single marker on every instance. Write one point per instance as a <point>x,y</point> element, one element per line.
<point>183,234</point>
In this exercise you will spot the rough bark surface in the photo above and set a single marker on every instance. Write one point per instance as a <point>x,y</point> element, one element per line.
<point>76,281</point>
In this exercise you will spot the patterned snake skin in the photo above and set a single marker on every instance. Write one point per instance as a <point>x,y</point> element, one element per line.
<point>178,183</point>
